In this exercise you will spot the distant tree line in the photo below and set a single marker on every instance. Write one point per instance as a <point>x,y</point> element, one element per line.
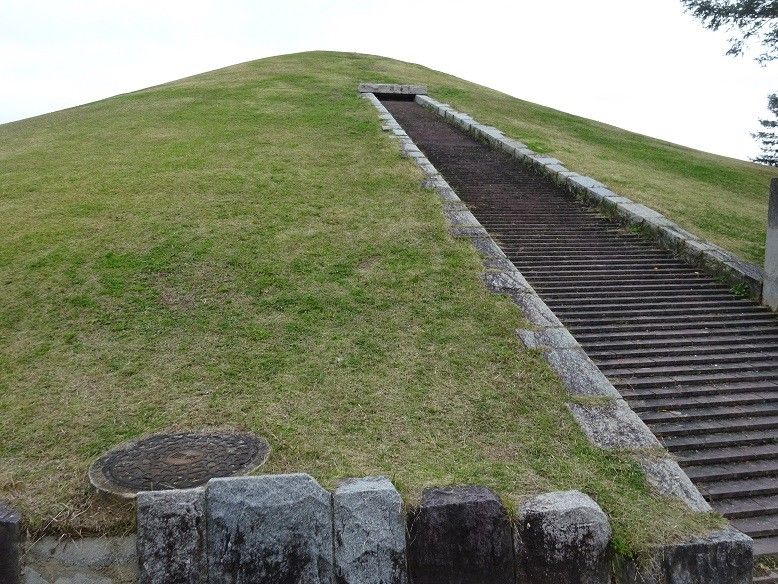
<point>751,21</point>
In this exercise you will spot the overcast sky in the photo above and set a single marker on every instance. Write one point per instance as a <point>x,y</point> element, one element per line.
<point>639,64</point>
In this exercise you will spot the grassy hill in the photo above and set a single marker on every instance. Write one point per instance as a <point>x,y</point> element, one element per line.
<point>246,248</point>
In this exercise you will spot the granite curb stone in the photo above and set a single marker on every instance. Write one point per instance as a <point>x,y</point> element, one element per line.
<point>10,536</point>
<point>294,543</point>
<point>369,532</point>
<point>721,557</point>
<point>171,537</point>
<point>668,479</point>
<point>563,538</point>
<point>579,374</point>
<point>460,535</point>
<point>613,426</point>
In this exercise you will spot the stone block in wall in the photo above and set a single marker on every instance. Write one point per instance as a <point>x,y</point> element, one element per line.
<point>563,538</point>
<point>268,530</point>
<point>721,557</point>
<point>460,535</point>
<point>171,537</point>
<point>10,557</point>
<point>369,533</point>
<point>88,560</point>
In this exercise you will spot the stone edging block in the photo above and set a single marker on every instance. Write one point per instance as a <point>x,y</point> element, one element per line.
<point>383,88</point>
<point>369,528</point>
<point>171,536</point>
<point>668,479</point>
<point>10,556</point>
<point>614,426</point>
<point>721,557</point>
<point>460,535</point>
<point>92,560</point>
<point>268,528</point>
<point>564,537</point>
<point>669,234</point>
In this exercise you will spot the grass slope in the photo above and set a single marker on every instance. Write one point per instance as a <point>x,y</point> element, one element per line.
<point>246,248</point>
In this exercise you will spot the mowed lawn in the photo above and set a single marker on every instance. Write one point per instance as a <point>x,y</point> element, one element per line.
<point>246,249</point>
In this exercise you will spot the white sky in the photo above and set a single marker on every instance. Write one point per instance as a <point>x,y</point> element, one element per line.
<point>639,64</point>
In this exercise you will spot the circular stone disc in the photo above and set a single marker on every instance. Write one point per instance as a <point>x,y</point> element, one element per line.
<point>176,461</point>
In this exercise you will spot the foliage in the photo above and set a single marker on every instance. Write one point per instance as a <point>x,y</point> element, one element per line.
<point>753,20</point>
<point>750,20</point>
<point>769,135</point>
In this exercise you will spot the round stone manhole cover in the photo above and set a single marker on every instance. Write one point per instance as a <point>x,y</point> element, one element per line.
<point>176,461</point>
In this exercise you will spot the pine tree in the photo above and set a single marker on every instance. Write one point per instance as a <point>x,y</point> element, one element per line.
<point>751,21</point>
<point>768,137</point>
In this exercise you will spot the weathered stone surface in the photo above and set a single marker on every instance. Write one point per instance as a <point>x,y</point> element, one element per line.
<point>10,524</point>
<point>369,533</point>
<point>171,537</point>
<point>507,279</point>
<point>94,560</point>
<point>460,232</point>
<point>638,213</point>
<point>488,249</point>
<point>722,557</point>
<point>460,217</point>
<point>392,88</point>
<point>548,338</point>
<point>83,579</point>
<point>269,529</point>
<point>460,535</point>
<point>534,309</point>
<point>555,168</point>
<point>563,538</point>
<point>664,475</point>
<point>579,374</point>
<point>545,160</point>
<point>613,426</point>
<point>582,183</point>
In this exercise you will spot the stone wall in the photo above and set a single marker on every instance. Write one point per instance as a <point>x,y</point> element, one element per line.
<point>286,528</point>
<point>98,560</point>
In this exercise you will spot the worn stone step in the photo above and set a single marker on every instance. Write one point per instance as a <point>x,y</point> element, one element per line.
<point>681,444</point>
<point>730,488</point>
<point>763,526</point>
<point>766,547</point>
<point>604,346</point>
<point>694,367</point>
<point>727,454</point>
<point>671,402</point>
<point>678,379</point>
<point>735,470</point>
<point>711,412</point>
<point>747,507</point>
<point>722,389</point>
<point>690,428</point>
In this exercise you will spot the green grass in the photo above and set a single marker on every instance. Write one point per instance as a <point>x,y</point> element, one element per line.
<point>247,249</point>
